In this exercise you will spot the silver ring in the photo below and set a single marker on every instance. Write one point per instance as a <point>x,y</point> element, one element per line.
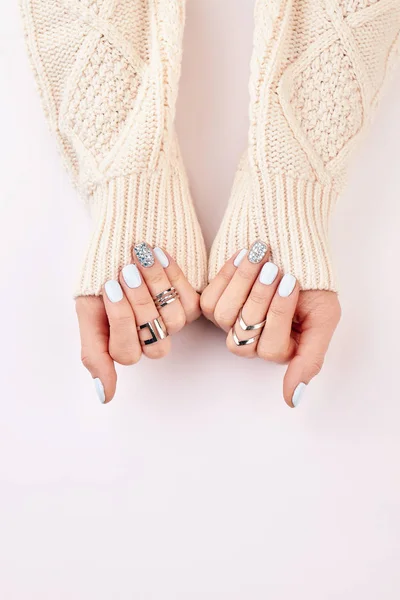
<point>239,342</point>
<point>166,297</point>
<point>157,331</point>
<point>245,327</point>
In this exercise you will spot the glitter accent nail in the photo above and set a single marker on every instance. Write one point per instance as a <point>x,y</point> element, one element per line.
<point>144,254</point>
<point>257,252</point>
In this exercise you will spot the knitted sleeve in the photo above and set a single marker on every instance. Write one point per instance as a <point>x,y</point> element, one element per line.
<point>318,70</point>
<point>107,72</point>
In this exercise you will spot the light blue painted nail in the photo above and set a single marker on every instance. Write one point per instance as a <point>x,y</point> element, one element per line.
<point>100,390</point>
<point>298,394</point>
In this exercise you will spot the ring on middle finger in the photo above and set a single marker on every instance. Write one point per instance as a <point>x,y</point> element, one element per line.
<point>244,327</point>
<point>166,297</point>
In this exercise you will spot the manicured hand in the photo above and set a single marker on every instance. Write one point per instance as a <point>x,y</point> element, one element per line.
<point>298,327</point>
<point>109,324</point>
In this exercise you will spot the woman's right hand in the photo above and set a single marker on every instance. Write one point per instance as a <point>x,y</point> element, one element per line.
<point>109,323</point>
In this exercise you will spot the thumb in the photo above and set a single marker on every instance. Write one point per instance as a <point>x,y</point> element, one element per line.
<point>308,360</point>
<point>94,331</point>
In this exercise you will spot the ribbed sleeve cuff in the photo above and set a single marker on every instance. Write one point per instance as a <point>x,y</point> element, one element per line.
<point>152,207</point>
<point>291,215</point>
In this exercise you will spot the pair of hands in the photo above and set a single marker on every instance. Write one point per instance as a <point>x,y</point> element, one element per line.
<point>248,290</point>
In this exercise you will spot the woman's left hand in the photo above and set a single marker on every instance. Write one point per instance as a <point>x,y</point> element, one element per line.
<point>299,325</point>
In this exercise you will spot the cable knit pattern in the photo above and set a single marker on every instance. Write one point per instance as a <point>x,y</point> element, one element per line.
<point>318,69</point>
<point>108,73</point>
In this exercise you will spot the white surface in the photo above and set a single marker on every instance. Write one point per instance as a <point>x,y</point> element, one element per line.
<point>197,482</point>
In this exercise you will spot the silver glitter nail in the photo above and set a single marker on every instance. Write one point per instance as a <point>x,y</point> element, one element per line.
<point>257,252</point>
<point>144,254</point>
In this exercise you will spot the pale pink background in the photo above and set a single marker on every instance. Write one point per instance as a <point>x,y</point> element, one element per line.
<point>197,482</point>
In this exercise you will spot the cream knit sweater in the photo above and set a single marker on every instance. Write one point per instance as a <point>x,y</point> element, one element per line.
<point>318,69</point>
<point>108,73</point>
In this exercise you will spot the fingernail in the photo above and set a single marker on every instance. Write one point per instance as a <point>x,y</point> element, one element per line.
<point>298,394</point>
<point>131,275</point>
<point>114,291</point>
<point>240,257</point>
<point>99,390</point>
<point>287,286</point>
<point>268,273</point>
<point>257,252</point>
<point>162,257</point>
<point>144,254</point>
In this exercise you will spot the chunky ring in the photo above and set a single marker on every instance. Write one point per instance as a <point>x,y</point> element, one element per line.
<point>157,331</point>
<point>166,297</point>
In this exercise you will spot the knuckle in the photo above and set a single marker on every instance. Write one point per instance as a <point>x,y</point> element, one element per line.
<point>316,366</point>
<point>225,318</point>
<point>87,361</point>
<point>156,277</point>
<point>176,323</point>
<point>175,275</point>
<point>207,305</point>
<point>258,298</point>
<point>91,360</point>
<point>125,356</point>
<point>193,311</point>
<point>277,312</point>
<point>156,351</point>
<point>275,355</point>
<point>225,274</point>
<point>245,274</point>
<point>143,300</point>
<point>120,323</point>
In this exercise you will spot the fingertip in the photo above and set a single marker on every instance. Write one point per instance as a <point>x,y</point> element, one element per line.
<point>106,382</point>
<point>295,382</point>
<point>162,257</point>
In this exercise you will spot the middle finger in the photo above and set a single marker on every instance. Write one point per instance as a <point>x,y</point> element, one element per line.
<point>152,264</point>
<point>235,295</point>
<point>244,335</point>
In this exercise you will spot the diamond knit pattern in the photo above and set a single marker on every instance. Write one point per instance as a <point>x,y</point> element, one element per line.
<point>108,73</point>
<point>108,76</point>
<point>318,71</point>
